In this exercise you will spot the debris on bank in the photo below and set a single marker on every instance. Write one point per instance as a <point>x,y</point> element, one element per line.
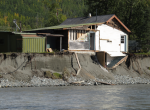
<point>36,70</point>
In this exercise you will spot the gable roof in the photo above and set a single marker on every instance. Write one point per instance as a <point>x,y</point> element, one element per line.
<point>62,26</point>
<point>82,20</point>
<point>100,19</point>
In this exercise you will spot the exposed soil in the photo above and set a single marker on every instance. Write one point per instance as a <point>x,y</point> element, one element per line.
<point>23,67</point>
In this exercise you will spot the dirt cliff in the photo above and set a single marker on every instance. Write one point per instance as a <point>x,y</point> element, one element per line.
<point>23,67</point>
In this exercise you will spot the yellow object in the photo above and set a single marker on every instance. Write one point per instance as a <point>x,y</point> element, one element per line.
<point>49,50</point>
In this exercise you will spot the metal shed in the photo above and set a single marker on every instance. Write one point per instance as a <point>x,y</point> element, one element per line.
<point>22,42</point>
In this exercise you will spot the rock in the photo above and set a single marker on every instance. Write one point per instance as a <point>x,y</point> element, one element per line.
<point>48,74</point>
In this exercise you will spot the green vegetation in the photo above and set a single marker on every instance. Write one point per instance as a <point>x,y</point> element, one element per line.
<point>38,13</point>
<point>135,14</point>
<point>48,74</point>
<point>57,75</point>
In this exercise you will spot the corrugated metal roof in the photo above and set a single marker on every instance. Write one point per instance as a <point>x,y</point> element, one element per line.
<point>29,35</point>
<point>22,33</point>
<point>81,20</point>
<point>62,26</point>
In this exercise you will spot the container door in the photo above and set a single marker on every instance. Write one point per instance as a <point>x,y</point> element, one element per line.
<point>123,43</point>
<point>33,45</point>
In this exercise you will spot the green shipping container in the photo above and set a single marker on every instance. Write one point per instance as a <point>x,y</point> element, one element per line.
<point>33,44</point>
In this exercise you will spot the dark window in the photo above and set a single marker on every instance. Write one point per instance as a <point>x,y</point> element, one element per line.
<point>122,39</point>
<point>1,41</point>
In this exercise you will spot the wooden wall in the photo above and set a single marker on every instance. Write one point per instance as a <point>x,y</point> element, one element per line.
<point>115,24</point>
<point>101,58</point>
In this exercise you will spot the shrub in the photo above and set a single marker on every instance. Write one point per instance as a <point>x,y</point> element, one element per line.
<point>48,74</point>
<point>57,75</point>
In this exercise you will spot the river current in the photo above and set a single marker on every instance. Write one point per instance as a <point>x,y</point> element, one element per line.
<point>118,97</point>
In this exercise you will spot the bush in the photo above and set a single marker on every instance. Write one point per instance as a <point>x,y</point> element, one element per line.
<point>57,76</point>
<point>48,74</point>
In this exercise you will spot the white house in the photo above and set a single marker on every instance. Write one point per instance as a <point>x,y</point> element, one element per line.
<point>105,33</point>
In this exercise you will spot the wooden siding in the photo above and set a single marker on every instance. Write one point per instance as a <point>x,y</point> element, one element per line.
<point>101,58</point>
<point>115,24</point>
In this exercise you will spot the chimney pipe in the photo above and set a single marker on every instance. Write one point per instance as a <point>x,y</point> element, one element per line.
<point>89,14</point>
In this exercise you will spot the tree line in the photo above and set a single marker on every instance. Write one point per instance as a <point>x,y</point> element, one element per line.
<point>38,13</point>
<point>135,14</point>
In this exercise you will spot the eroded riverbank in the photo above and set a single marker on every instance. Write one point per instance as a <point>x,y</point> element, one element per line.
<point>28,70</point>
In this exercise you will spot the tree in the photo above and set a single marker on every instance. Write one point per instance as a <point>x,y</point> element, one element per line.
<point>135,14</point>
<point>54,17</point>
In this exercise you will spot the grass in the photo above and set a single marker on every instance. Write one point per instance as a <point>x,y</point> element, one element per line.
<point>57,75</point>
<point>48,74</point>
<point>142,53</point>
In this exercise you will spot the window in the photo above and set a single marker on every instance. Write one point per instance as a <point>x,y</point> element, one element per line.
<point>122,38</point>
<point>73,35</point>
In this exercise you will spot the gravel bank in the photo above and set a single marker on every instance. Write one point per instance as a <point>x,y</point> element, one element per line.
<point>73,81</point>
<point>31,73</point>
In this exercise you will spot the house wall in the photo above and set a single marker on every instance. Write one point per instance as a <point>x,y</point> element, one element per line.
<point>97,34</point>
<point>79,40</point>
<point>4,42</point>
<point>101,58</point>
<point>11,42</point>
<point>110,38</point>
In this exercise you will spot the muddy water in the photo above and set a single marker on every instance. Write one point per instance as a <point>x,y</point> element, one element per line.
<point>76,98</point>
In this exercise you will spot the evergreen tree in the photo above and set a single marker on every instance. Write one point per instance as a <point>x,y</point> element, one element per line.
<point>133,13</point>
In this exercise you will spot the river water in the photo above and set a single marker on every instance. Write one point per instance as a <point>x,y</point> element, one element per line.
<point>118,97</point>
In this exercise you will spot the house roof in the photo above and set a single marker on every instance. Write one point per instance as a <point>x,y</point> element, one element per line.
<point>63,26</point>
<point>82,20</point>
<point>93,19</point>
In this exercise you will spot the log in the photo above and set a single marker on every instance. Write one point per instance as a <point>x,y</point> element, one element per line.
<point>104,83</point>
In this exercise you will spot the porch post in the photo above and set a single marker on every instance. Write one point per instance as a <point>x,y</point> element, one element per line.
<point>60,43</point>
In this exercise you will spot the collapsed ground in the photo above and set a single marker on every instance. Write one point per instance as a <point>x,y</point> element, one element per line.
<point>20,69</point>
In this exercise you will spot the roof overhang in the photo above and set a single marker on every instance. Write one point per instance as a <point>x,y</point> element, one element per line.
<point>63,27</point>
<point>32,36</point>
<point>50,35</point>
<point>114,16</point>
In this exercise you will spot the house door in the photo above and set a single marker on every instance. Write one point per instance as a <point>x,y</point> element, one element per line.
<point>123,43</point>
<point>92,41</point>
